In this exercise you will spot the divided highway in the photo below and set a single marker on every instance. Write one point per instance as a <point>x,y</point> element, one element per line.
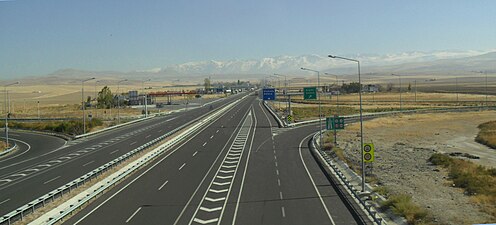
<point>241,169</point>
<point>40,166</point>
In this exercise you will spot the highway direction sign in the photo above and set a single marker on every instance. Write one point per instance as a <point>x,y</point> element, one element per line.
<point>335,123</point>
<point>368,152</point>
<point>269,93</point>
<point>309,93</point>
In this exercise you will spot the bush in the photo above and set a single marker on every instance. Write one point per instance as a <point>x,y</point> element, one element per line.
<point>401,204</point>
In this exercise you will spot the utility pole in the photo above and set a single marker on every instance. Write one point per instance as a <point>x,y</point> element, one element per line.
<point>145,96</point>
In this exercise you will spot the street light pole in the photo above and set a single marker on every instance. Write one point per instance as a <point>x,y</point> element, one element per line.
<point>320,107</point>
<point>285,90</point>
<point>361,114</point>
<point>399,76</point>
<point>337,108</point>
<point>7,110</point>
<point>145,96</point>
<point>119,101</point>
<point>82,101</point>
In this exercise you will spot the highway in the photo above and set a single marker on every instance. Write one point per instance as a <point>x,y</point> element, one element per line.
<point>241,169</point>
<point>43,164</point>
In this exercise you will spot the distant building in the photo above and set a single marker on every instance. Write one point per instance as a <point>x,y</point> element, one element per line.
<point>371,88</point>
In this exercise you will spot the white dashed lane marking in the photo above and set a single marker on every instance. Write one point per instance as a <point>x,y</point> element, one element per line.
<point>48,181</point>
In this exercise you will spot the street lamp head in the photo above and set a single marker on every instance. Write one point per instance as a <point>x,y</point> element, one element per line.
<point>332,56</point>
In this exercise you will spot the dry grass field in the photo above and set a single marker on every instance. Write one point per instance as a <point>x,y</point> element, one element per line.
<point>64,101</point>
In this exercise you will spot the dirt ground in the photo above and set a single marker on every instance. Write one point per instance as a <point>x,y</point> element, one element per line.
<point>403,146</point>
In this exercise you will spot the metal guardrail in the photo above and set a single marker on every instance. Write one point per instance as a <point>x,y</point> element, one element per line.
<point>323,157</point>
<point>9,150</point>
<point>30,207</point>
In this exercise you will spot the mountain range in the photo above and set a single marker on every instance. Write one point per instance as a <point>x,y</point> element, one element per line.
<point>423,63</point>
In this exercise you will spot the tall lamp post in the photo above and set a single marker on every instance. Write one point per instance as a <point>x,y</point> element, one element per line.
<point>320,110</point>
<point>119,101</point>
<point>96,98</point>
<point>145,96</point>
<point>285,89</point>
<point>7,110</point>
<point>82,101</point>
<point>361,116</point>
<point>399,76</point>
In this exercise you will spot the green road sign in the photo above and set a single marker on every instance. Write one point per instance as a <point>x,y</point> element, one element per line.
<point>309,93</point>
<point>368,152</point>
<point>335,123</point>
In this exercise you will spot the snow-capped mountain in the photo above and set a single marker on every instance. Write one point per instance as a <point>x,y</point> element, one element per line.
<point>285,64</point>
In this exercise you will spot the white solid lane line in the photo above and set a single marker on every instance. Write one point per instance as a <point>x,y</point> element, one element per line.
<point>89,163</point>
<point>134,214</point>
<point>184,164</point>
<point>48,181</point>
<point>160,188</point>
<point>313,183</point>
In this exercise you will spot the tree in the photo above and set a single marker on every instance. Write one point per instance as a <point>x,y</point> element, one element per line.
<point>105,98</point>
<point>207,84</point>
<point>389,87</point>
<point>353,87</point>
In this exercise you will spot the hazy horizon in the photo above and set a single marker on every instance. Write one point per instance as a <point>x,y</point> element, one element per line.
<point>41,37</point>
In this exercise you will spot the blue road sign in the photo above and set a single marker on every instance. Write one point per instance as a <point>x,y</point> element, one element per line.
<point>269,93</point>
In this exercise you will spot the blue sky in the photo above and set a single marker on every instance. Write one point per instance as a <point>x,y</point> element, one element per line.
<point>40,36</point>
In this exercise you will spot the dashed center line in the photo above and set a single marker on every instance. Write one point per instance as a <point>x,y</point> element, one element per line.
<point>278,182</point>
<point>161,186</point>
<point>283,212</point>
<point>4,201</point>
<point>48,181</point>
<point>211,136</point>
<point>184,164</point>
<point>112,152</point>
<point>133,143</point>
<point>195,153</point>
<point>276,164</point>
<point>217,131</point>
<point>135,212</point>
<point>89,163</point>
<point>277,172</point>
<point>204,144</point>
<point>280,195</point>
<point>147,136</point>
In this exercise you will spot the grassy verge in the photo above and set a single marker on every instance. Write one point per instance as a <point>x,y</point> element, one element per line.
<point>402,205</point>
<point>71,127</point>
<point>487,134</point>
<point>3,146</point>
<point>479,182</point>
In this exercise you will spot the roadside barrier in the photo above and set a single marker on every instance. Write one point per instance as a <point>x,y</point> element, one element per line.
<point>76,202</point>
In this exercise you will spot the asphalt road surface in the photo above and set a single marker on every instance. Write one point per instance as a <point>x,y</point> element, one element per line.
<point>241,169</point>
<point>47,165</point>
